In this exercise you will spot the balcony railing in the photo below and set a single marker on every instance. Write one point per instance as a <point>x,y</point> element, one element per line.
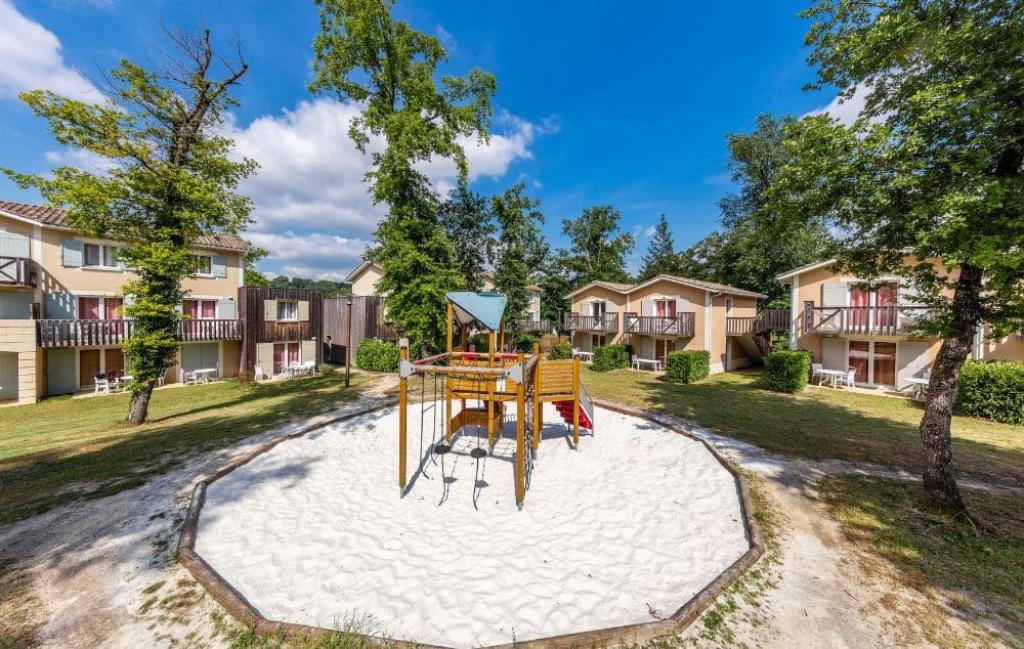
<point>863,320</point>
<point>767,320</point>
<point>607,323</point>
<point>535,325</point>
<point>680,325</point>
<point>82,333</point>
<point>17,271</point>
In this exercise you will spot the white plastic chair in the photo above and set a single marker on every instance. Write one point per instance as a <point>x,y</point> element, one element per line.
<point>101,384</point>
<point>260,373</point>
<point>634,362</point>
<point>848,379</point>
<point>816,372</point>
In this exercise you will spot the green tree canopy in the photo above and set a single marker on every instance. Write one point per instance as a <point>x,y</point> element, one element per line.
<point>469,225</point>
<point>661,255</point>
<point>364,55</point>
<point>520,248</point>
<point>597,249</point>
<point>932,169</point>
<point>170,180</point>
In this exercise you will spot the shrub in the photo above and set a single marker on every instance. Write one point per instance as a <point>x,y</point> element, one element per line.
<point>478,343</point>
<point>524,342</point>
<point>788,371</point>
<point>559,351</point>
<point>377,355</point>
<point>610,357</point>
<point>687,366</point>
<point>994,390</point>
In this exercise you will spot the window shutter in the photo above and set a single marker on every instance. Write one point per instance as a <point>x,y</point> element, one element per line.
<point>13,245</point>
<point>308,351</point>
<point>265,357</point>
<point>833,354</point>
<point>836,294</point>
<point>303,310</point>
<point>61,306</point>
<point>226,309</point>
<point>647,307</point>
<point>681,305</point>
<point>219,266</point>
<point>269,311</point>
<point>71,253</point>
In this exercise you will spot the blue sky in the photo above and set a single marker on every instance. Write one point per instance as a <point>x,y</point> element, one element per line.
<point>598,103</point>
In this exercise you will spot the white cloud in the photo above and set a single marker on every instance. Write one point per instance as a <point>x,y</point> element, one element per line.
<point>845,110</point>
<point>30,58</point>
<point>80,158</point>
<point>317,255</point>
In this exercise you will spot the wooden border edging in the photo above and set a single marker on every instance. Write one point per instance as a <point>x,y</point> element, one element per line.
<point>239,608</point>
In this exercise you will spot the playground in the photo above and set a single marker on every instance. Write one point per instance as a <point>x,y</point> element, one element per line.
<point>626,522</point>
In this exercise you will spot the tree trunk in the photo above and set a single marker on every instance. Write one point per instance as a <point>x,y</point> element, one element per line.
<point>139,408</point>
<point>940,490</point>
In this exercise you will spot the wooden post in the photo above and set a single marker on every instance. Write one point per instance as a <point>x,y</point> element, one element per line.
<point>520,441</point>
<point>501,335</point>
<point>447,393</point>
<point>538,404</point>
<point>576,402</point>
<point>403,419</point>
<point>491,433</point>
<point>451,332</point>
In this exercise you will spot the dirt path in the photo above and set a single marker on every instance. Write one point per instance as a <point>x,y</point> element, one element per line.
<point>101,573</point>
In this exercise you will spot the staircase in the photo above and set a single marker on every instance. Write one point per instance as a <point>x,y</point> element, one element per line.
<point>586,411</point>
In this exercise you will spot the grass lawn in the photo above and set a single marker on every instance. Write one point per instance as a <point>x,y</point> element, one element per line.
<point>978,575</point>
<point>64,449</point>
<point>819,423</point>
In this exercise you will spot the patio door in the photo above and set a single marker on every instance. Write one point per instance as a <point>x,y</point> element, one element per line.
<point>596,341</point>
<point>883,359</point>
<point>860,300</point>
<point>662,349</point>
<point>88,367</point>
<point>860,357</point>
<point>113,363</point>
<point>285,354</point>
<point>665,308</point>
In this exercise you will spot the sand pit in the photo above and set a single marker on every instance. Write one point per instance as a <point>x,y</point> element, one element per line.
<point>623,531</point>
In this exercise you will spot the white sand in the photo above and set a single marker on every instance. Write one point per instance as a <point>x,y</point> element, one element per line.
<point>623,531</point>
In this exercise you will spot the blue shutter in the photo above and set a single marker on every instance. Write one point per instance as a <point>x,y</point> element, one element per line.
<point>71,252</point>
<point>13,245</point>
<point>220,266</point>
<point>61,306</point>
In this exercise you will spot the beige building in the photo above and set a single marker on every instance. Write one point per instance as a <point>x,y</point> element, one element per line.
<point>61,322</point>
<point>866,324</point>
<point>668,313</point>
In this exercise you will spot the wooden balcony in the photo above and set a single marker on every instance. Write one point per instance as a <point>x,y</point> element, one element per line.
<point>767,320</point>
<point>83,333</point>
<point>863,320</point>
<point>17,271</point>
<point>680,325</point>
<point>607,323</point>
<point>540,325</point>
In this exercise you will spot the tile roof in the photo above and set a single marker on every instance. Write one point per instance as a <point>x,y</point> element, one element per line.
<point>55,217</point>
<point>711,286</point>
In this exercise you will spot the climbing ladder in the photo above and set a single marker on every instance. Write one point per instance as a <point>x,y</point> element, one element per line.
<point>586,409</point>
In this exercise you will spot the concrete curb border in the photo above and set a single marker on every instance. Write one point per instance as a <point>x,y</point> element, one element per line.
<point>239,608</point>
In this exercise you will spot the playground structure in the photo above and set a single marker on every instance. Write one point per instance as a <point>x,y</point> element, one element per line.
<point>497,382</point>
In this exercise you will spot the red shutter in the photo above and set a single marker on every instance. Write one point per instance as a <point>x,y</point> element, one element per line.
<point>89,308</point>
<point>209,309</point>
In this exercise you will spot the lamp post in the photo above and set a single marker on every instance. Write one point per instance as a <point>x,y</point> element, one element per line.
<point>348,343</point>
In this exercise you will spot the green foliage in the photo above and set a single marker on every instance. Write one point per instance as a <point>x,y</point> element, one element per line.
<point>252,277</point>
<point>560,351</point>
<point>327,287</point>
<point>788,371</point>
<point>520,248</point>
<point>364,55</point>
<point>478,342</point>
<point>470,226</point>
<point>994,390</point>
<point>524,342</point>
<point>377,355</point>
<point>554,287</point>
<point>687,366</point>
<point>597,251</point>
<point>610,357</point>
<point>171,179</point>
<point>660,258</point>
<point>780,341</point>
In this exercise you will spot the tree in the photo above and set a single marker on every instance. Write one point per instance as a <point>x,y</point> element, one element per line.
<point>520,248</point>
<point>170,181</point>
<point>597,251</point>
<point>555,285</point>
<point>362,54</point>
<point>661,255</point>
<point>470,227</point>
<point>931,170</point>
<point>253,277</point>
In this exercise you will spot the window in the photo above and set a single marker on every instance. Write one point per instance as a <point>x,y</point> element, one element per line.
<point>199,309</point>
<point>204,264</point>
<point>287,310</point>
<point>100,256</point>
<point>99,308</point>
<point>665,308</point>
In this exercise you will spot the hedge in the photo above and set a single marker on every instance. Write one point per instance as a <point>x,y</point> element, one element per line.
<point>788,371</point>
<point>559,351</point>
<point>687,366</point>
<point>992,389</point>
<point>610,357</point>
<point>524,342</point>
<point>377,355</point>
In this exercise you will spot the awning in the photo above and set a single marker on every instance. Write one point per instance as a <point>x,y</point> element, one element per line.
<point>486,309</point>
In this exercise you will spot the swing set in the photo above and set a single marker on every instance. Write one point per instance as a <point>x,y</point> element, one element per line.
<point>488,387</point>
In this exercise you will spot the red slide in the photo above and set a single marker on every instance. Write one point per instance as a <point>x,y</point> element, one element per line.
<point>565,409</point>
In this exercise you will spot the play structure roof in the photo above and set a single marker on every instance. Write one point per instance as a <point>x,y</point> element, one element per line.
<point>483,308</point>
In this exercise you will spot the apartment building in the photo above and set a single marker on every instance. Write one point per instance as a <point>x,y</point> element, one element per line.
<point>61,310</point>
<point>866,324</point>
<point>668,313</point>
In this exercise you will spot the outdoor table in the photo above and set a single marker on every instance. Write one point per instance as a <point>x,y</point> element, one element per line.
<point>833,375</point>
<point>123,381</point>
<point>920,386</point>
<point>204,374</point>
<point>653,362</point>
<point>586,356</point>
